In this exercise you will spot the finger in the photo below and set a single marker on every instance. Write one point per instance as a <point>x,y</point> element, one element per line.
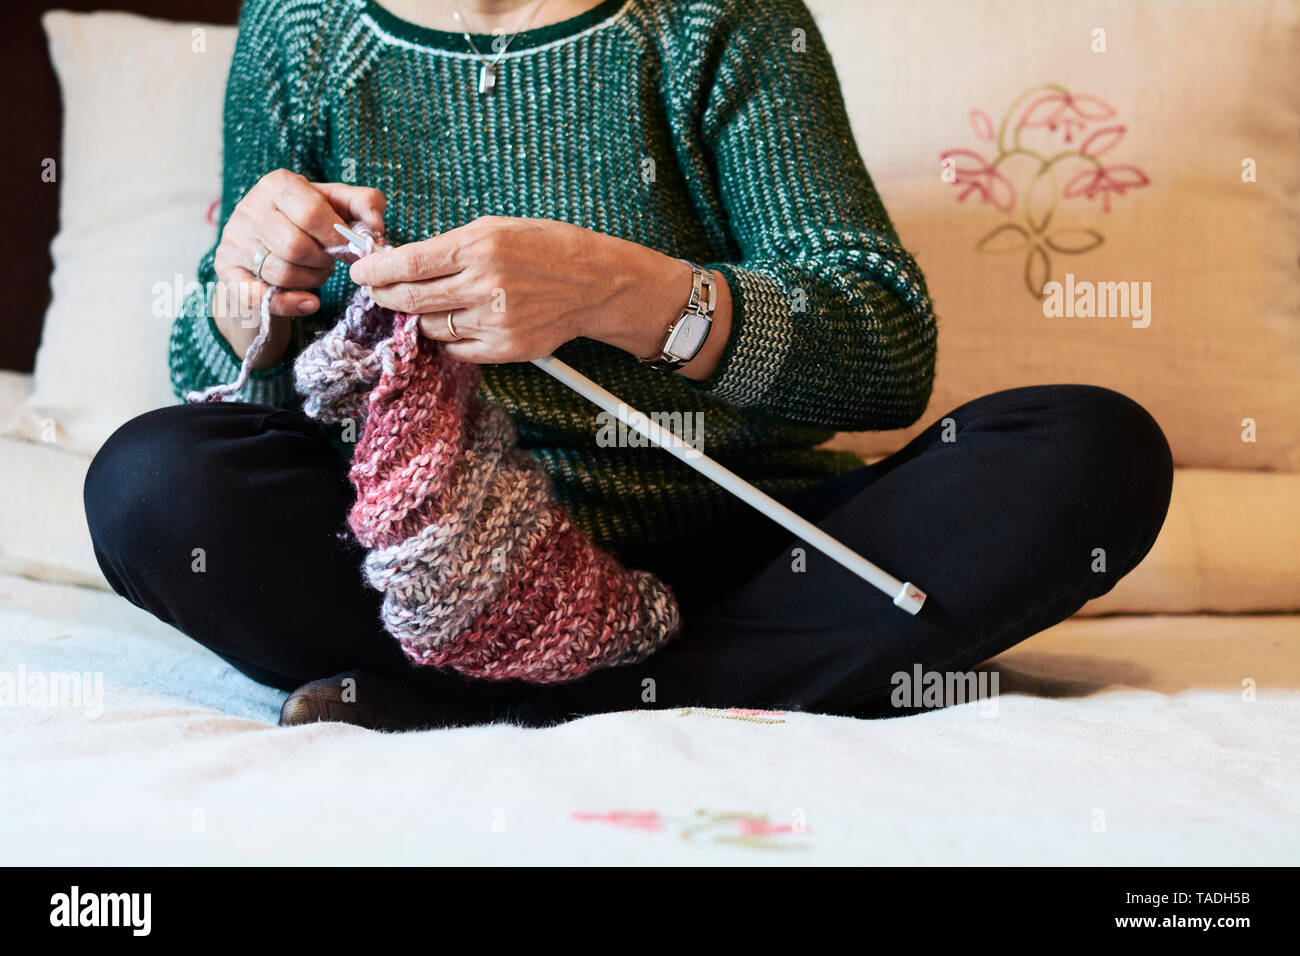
<point>418,297</point>
<point>415,261</point>
<point>243,292</point>
<point>356,203</point>
<point>310,211</point>
<point>234,266</point>
<point>275,269</point>
<point>434,325</point>
<point>293,244</point>
<point>473,350</point>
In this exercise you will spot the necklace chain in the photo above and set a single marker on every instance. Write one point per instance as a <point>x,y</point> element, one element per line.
<point>487,77</point>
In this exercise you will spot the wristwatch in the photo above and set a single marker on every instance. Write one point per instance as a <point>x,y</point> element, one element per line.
<point>687,334</point>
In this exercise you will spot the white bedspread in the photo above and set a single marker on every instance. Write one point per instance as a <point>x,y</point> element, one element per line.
<point>1116,740</point>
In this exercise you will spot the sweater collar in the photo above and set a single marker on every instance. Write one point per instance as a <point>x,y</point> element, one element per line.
<point>404,30</point>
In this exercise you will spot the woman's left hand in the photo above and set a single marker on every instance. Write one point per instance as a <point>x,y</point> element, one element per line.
<point>518,289</point>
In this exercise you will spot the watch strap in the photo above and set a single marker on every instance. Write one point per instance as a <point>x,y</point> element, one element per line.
<point>702,302</point>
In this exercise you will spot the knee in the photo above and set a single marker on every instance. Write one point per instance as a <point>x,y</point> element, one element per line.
<point>135,476</point>
<point>1113,456</point>
<point>1105,425</point>
<point>148,476</point>
<point>166,473</point>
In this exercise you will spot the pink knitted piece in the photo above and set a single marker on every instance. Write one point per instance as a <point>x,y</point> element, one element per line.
<point>482,571</point>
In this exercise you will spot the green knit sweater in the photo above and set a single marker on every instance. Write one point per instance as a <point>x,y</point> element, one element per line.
<point>712,130</point>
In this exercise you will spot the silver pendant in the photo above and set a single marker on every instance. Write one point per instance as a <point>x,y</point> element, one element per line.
<point>487,78</point>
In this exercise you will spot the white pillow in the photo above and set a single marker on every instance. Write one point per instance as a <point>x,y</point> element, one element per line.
<point>1199,88</point>
<point>141,165</point>
<point>43,531</point>
<point>14,389</point>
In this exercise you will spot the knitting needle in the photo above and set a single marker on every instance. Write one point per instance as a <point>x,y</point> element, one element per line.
<point>905,594</point>
<point>361,242</point>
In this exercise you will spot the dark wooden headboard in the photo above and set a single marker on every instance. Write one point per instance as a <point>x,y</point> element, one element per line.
<point>31,116</point>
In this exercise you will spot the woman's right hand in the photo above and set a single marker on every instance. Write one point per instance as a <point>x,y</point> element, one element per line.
<point>293,219</point>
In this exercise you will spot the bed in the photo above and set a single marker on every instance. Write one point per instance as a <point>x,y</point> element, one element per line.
<point>1114,740</point>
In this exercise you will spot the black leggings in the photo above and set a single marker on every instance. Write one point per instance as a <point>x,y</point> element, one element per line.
<point>227,522</point>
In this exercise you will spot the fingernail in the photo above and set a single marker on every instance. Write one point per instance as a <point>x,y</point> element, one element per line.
<point>305,307</point>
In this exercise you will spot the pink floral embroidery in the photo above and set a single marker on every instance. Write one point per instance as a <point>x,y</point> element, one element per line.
<point>1102,141</point>
<point>979,177</point>
<point>982,124</point>
<point>1068,112</point>
<point>1104,182</point>
<point>1028,136</point>
<point>633,819</point>
<point>758,826</point>
<point>751,830</point>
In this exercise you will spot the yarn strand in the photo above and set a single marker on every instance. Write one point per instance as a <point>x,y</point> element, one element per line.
<point>230,391</point>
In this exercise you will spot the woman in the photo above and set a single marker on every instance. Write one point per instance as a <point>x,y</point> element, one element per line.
<point>556,189</point>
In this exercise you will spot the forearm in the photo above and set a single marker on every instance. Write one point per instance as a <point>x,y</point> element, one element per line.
<point>651,291</point>
<point>843,339</point>
<point>200,356</point>
<point>241,330</point>
<point>839,338</point>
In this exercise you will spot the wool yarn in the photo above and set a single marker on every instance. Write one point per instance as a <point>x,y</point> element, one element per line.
<point>482,571</point>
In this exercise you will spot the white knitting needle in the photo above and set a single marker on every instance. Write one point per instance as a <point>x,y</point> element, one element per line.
<point>905,594</point>
<point>358,240</point>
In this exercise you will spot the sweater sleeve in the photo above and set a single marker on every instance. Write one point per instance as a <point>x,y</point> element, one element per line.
<point>266,127</point>
<point>832,325</point>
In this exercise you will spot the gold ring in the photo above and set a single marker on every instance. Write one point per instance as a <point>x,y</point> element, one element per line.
<point>452,328</point>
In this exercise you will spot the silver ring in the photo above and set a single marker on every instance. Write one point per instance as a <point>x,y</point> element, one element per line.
<point>259,260</point>
<point>451,328</point>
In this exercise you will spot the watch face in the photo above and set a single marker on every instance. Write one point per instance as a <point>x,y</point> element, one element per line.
<point>688,336</point>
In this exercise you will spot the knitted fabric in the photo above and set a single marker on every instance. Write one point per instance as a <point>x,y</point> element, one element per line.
<point>711,130</point>
<point>481,570</point>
